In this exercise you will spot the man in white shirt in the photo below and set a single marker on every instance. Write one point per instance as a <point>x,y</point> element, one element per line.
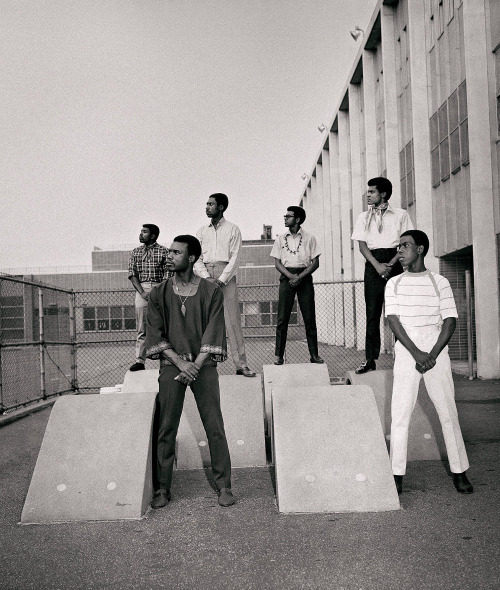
<point>219,262</point>
<point>421,312</point>
<point>377,231</point>
<point>296,255</point>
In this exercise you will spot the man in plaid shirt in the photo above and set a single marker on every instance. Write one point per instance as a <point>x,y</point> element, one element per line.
<point>146,268</point>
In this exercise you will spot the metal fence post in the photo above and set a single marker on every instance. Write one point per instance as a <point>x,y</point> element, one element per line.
<point>42,344</point>
<point>470,342</point>
<point>72,332</point>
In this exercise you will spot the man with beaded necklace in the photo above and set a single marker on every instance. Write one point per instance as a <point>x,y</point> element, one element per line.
<point>296,255</point>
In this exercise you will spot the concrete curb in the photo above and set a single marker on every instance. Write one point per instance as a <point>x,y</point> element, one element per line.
<point>31,409</point>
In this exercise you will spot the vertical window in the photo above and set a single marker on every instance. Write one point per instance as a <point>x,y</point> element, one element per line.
<point>440,18</point>
<point>444,150</point>
<point>102,319</point>
<point>434,133</point>
<point>407,180</point>
<point>402,167</point>
<point>463,120</point>
<point>498,114</point>
<point>450,10</point>
<point>454,132</point>
<point>12,318</point>
<point>89,319</point>
<point>410,192</point>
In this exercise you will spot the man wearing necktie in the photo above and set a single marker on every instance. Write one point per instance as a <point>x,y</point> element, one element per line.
<point>146,268</point>
<point>378,231</point>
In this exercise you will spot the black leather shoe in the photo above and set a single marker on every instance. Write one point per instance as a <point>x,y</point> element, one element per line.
<point>462,484</point>
<point>226,497</point>
<point>279,361</point>
<point>137,367</point>
<point>317,359</point>
<point>245,371</point>
<point>365,367</point>
<point>161,498</point>
<point>398,480</point>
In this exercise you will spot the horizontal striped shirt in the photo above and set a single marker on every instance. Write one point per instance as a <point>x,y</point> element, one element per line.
<point>420,299</point>
<point>149,264</point>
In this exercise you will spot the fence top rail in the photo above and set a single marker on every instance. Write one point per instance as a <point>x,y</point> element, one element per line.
<point>266,285</point>
<point>41,285</point>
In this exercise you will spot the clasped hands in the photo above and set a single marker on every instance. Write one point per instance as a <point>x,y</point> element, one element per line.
<point>424,361</point>
<point>189,371</point>
<point>294,281</point>
<point>384,269</point>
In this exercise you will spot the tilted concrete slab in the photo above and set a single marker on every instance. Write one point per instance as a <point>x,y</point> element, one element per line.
<point>242,410</point>
<point>330,453</point>
<point>294,375</point>
<point>425,436</point>
<point>141,381</point>
<point>95,460</point>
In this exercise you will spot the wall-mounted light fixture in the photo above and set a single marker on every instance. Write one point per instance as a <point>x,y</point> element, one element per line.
<point>357,32</point>
<point>322,127</point>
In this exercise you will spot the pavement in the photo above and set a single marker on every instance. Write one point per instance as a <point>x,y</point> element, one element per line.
<point>438,540</point>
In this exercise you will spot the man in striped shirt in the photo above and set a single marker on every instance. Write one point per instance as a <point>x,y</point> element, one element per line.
<point>146,268</point>
<point>421,312</point>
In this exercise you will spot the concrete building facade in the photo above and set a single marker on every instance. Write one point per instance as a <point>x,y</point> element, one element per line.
<point>421,106</point>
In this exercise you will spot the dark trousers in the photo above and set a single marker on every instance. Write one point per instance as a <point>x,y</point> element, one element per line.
<point>170,402</point>
<point>305,295</point>
<point>374,299</point>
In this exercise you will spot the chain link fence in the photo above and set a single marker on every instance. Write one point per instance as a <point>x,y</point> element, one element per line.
<point>37,342</point>
<point>105,332</point>
<point>53,340</point>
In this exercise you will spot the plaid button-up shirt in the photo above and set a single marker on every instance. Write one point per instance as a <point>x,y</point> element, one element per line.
<point>148,264</point>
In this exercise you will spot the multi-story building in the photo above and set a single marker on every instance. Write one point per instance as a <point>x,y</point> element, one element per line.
<point>421,106</point>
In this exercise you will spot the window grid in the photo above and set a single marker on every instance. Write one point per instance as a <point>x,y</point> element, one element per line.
<point>264,313</point>
<point>449,137</point>
<point>117,318</point>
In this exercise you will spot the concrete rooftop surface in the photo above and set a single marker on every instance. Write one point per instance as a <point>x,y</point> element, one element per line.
<point>438,540</point>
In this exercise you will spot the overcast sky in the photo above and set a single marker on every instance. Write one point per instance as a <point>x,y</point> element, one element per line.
<point>119,113</point>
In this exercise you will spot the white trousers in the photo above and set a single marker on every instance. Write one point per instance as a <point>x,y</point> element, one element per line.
<point>141,310</point>
<point>439,384</point>
<point>232,314</point>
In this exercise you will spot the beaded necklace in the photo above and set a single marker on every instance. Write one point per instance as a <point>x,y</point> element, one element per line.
<point>288,247</point>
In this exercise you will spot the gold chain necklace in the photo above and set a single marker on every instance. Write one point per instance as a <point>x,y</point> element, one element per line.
<point>183,307</point>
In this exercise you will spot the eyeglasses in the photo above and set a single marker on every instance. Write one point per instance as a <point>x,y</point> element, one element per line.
<point>285,216</point>
<point>404,246</point>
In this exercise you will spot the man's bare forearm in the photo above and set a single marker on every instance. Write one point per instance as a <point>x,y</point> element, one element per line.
<point>137,284</point>
<point>447,330</point>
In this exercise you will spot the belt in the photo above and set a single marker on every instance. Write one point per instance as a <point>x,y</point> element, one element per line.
<point>149,281</point>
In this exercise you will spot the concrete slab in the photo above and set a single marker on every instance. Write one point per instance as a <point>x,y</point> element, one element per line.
<point>94,462</point>
<point>425,437</point>
<point>330,454</point>
<point>293,375</point>
<point>141,381</point>
<point>242,409</point>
